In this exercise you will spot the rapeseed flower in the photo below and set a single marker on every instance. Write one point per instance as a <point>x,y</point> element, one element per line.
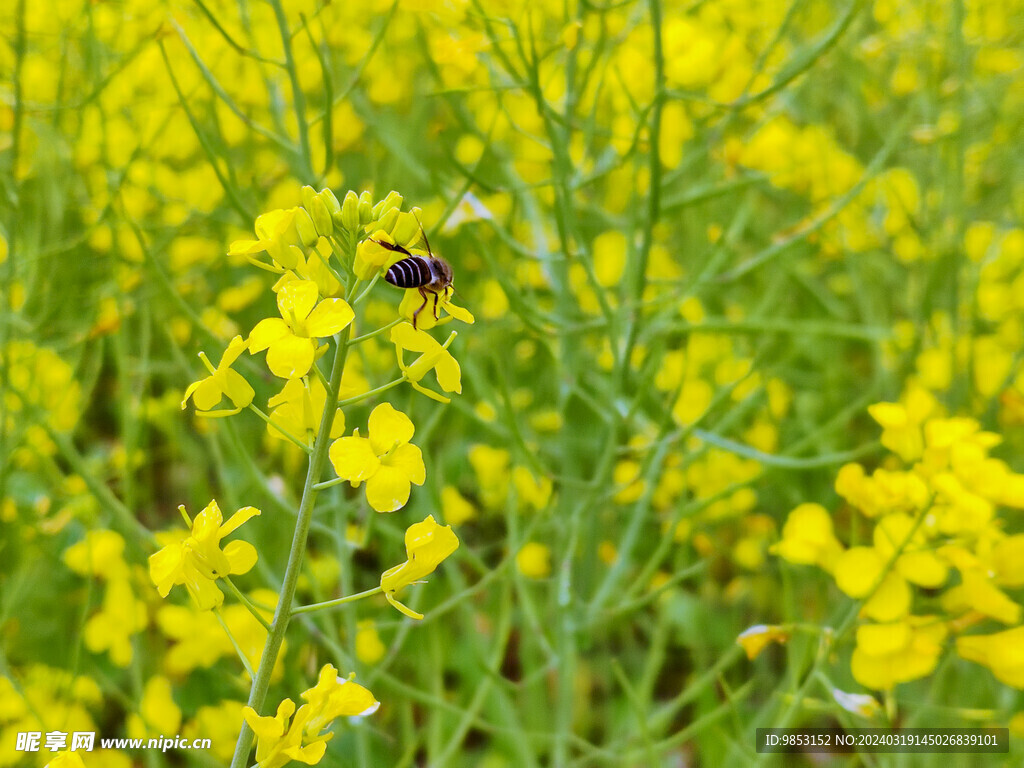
<point>426,545</point>
<point>433,357</point>
<point>290,340</point>
<point>428,318</point>
<point>196,559</point>
<point>755,639</point>
<point>298,408</point>
<point>897,652</point>
<point>111,628</point>
<point>385,460</point>
<point>222,382</point>
<point>157,711</point>
<point>282,738</point>
<point>278,236</point>
<point>1001,652</point>
<point>533,560</point>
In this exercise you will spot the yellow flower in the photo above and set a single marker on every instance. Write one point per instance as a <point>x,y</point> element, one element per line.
<point>298,409</point>
<point>158,714</point>
<point>901,424</point>
<point>457,509</point>
<point>333,697</point>
<point>222,382</point>
<point>433,356</point>
<point>756,638</point>
<point>280,741</point>
<point>196,559</point>
<point>425,320</point>
<point>277,235</point>
<point>858,703</point>
<point>217,723</point>
<point>897,652</point>
<point>977,590</point>
<point>807,538</point>
<point>100,553</point>
<point>369,648</point>
<point>372,257</point>
<point>385,460</point>
<point>533,492</point>
<point>196,638</point>
<point>66,760</point>
<point>426,545</point>
<point>111,628</point>
<point>534,560</point>
<point>1002,652</point>
<point>290,340</point>
<point>861,572</point>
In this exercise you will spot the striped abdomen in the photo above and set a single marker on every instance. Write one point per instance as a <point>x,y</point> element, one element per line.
<point>419,272</point>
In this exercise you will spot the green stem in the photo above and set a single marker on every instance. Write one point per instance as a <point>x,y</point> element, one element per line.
<point>378,332</point>
<point>317,461</point>
<point>370,393</point>
<point>279,428</point>
<point>234,643</point>
<point>246,602</point>
<point>334,603</point>
<point>298,96</point>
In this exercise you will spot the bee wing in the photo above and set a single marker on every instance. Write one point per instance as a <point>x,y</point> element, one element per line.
<point>423,234</point>
<point>392,247</point>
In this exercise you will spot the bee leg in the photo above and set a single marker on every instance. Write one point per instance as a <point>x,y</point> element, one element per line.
<point>417,312</point>
<point>437,316</point>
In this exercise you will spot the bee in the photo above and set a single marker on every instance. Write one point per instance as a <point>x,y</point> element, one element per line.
<point>431,274</point>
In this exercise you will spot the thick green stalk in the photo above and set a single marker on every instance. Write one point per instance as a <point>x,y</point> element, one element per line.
<point>283,614</point>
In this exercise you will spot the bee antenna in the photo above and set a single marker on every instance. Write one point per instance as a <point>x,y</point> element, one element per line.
<point>423,234</point>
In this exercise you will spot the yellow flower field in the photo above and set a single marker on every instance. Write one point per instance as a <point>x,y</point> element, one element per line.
<point>511,384</point>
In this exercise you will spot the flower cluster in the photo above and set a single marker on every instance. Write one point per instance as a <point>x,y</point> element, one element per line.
<point>328,256</point>
<point>936,543</point>
<point>283,738</point>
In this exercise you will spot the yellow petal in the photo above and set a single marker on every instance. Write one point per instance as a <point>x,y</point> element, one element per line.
<point>402,608</point>
<point>266,333</point>
<point>407,337</point>
<point>449,375</point>
<point>291,357</point>
<point>408,459</point>
<point>207,394</point>
<point>858,569</point>
<point>353,459</point>
<point>387,427</point>
<point>242,556</point>
<point>164,567</point>
<point>238,390</point>
<point>891,601</point>
<point>241,516</point>
<point>756,638</point>
<point>297,299</point>
<point>388,489</point>
<point>329,317</point>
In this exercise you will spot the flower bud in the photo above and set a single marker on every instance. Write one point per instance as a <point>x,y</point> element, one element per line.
<point>321,217</point>
<point>406,229</point>
<point>306,229</point>
<point>350,212</point>
<point>328,198</point>
<point>393,200</point>
<point>365,208</point>
<point>306,194</point>
<point>388,220</point>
